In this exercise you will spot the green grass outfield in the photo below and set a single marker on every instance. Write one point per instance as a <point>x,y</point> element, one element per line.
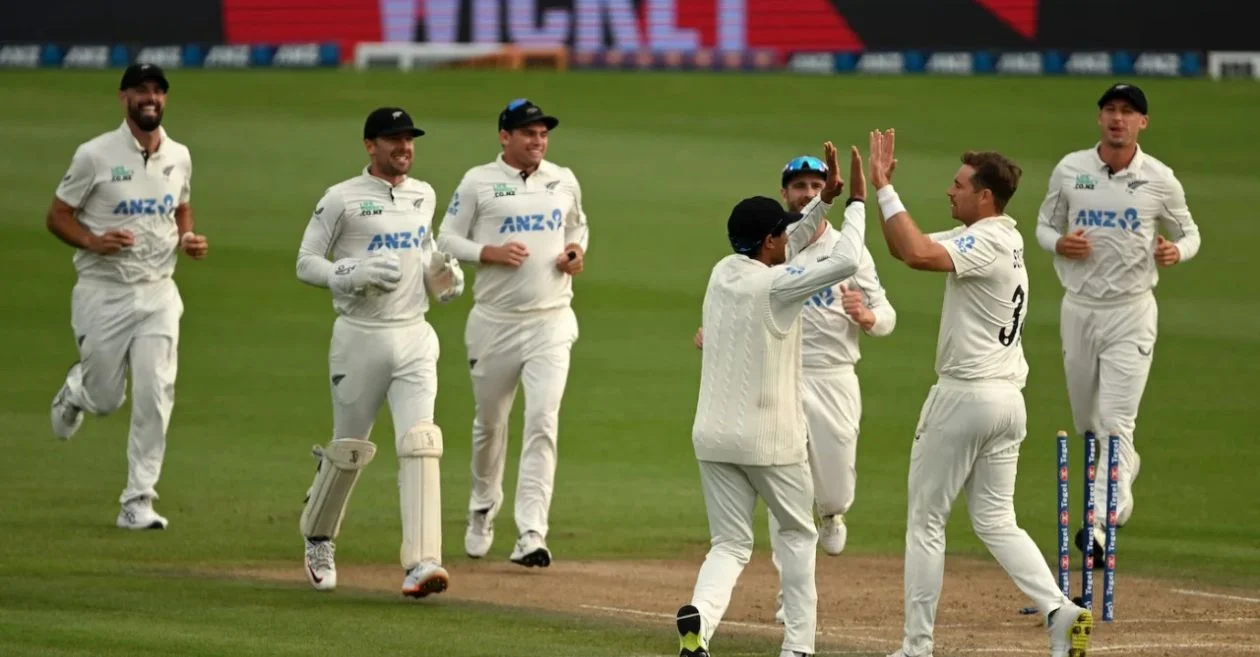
<point>661,158</point>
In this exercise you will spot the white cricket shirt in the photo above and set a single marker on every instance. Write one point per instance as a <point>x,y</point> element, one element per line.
<point>496,204</point>
<point>114,186</point>
<point>1121,213</point>
<point>986,301</point>
<point>366,216</point>
<point>749,410</point>
<point>829,337</point>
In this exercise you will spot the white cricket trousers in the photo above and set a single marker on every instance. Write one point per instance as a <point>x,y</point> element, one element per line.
<point>369,364</point>
<point>121,327</point>
<point>967,439</point>
<point>833,412</point>
<point>505,350</point>
<point>730,496</point>
<point>1107,352</point>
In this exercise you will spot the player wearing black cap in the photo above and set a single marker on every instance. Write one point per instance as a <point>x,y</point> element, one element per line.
<point>124,205</point>
<point>369,241</point>
<point>749,433</point>
<point>520,219</point>
<point>1102,217</point>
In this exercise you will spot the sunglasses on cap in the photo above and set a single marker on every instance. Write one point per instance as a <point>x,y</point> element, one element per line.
<point>803,164</point>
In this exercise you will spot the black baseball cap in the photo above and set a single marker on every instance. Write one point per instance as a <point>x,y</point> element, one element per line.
<point>137,73</point>
<point>387,121</point>
<point>522,112</point>
<point>1127,92</point>
<point>753,219</point>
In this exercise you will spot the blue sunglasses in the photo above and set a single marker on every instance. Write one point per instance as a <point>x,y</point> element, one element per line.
<point>802,164</point>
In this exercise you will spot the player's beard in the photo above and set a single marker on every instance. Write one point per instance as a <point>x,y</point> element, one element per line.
<point>145,122</point>
<point>389,167</point>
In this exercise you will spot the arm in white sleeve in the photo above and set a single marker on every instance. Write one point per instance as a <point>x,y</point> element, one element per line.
<point>801,232</point>
<point>1177,221</point>
<point>313,266</point>
<point>793,284</point>
<point>576,230</point>
<point>1052,219</point>
<point>867,279</point>
<point>455,235</point>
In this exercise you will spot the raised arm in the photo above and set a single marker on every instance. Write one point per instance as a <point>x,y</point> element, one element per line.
<point>794,283</point>
<point>905,241</point>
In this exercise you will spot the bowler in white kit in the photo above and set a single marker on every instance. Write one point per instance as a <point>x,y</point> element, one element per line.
<point>124,205</point>
<point>370,243</point>
<point>520,219</point>
<point>974,420</point>
<point>749,433</point>
<point>831,324</point>
<point>1101,218</point>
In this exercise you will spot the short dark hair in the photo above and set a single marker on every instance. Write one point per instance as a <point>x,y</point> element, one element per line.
<point>994,172</point>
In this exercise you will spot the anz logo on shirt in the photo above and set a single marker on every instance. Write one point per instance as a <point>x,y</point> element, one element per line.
<point>140,206</point>
<point>965,243</point>
<point>532,223</point>
<point>400,240</point>
<point>823,299</point>
<point>1126,220</point>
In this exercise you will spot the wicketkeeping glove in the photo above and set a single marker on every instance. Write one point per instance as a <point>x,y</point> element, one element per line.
<point>445,278</point>
<point>353,276</point>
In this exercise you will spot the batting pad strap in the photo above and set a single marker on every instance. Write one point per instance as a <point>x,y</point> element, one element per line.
<point>340,463</point>
<point>420,494</point>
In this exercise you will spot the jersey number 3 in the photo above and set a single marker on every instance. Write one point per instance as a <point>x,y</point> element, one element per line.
<point>1007,335</point>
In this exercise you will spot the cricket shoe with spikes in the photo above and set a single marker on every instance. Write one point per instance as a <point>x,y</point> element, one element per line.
<point>321,569</point>
<point>690,633</point>
<point>139,514</point>
<point>1070,628</point>
<point>425,579</point>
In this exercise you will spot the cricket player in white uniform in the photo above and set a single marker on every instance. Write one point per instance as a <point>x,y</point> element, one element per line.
<point>124,205</point>
<point>520,219</point>
<point>370,242</point>
<point>974,420</point>
<point>832,323</point>
<point>749,434</point>
<point>1101,218</point>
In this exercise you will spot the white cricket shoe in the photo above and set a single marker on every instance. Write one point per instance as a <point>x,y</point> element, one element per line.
<point>480,534</point>
<point>833,534</point>
<point>139,514</point>
<point>531,551</point>
<point>1070,631</point>
<point>321,570</point>
<point>427,578</point>
<point>779,616</point>
<point>66,417</point>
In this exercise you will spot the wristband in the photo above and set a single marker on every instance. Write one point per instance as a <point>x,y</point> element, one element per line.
<point>889,203</point>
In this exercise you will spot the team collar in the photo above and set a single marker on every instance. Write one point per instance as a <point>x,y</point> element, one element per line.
<point>367,173</point>
<point>513,171</point>
<point>126,131</point>
<point>1135,165</point>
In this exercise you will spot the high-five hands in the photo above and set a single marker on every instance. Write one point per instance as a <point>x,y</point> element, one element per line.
<point>883,157</point>
<point>834,184</point>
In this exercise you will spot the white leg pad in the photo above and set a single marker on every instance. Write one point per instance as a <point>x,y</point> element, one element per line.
<point>420,494</point>
<point>340,463</point>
